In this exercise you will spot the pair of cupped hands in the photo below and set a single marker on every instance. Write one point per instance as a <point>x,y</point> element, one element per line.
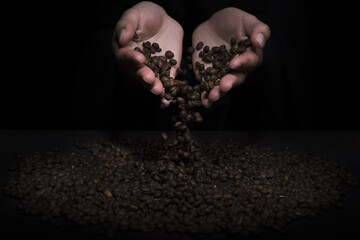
<point>151,23</point>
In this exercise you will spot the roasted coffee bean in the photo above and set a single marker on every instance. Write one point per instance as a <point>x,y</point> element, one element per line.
<point>173,62</point>
<point>190,50</point>
<point>135,37</point>
<point>199,45</point>
<point>217,65</point>
<point>138,49</point>
<point>206,49</point>
<point>240,49</point>
<point>204,86</point>
<point>211,71</point>
<point>188,59</point>
<point>167,84</point>
<point>179,71</point>
<point>207,58</point>
<point>152,50</point>
<point>147,45</point>
<point>169,54</point>
<point>215,49</point>
<point>211,85</point>
<point>246,43</point>
<point>155,45</point>
<point>180,100</point>
<point>168,96</point>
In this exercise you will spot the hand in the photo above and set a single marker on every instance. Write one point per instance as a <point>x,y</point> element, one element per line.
<point>151,23</point>
<point>218,30</point>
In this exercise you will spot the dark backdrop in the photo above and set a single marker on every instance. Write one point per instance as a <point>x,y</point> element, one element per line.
<point>59,70</point>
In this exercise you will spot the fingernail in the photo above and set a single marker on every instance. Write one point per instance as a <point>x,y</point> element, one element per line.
<point>122,32</point>
<point>153,91</point>
<point>145,80</point>
<point>261,40</point>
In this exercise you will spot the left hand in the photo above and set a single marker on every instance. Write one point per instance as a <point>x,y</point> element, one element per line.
<point>153,24</point>
<point>218,30</point>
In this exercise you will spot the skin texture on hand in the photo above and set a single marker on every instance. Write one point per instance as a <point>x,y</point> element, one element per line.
<point>218,30</point>
<point>151,23</point>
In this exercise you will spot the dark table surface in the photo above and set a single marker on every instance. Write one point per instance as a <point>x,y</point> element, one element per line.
<point>338,146</point>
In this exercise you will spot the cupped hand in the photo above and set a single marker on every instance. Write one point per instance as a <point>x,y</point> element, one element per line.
<point>219,29</point>
<point>151,23</point>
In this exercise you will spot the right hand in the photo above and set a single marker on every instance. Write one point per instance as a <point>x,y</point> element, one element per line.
<point>218,30</point>
<point>151,23</point>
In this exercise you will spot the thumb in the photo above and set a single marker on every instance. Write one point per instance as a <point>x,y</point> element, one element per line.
<point>259,31</point>
<point>260,35</point>
<point>126,26</point>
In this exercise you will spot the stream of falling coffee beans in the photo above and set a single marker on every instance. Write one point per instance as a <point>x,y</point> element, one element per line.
<point>186,95</point>
<point>180,184</point>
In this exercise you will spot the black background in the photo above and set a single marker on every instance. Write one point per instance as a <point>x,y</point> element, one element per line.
<point>47,48</point>
<point>46,44</point>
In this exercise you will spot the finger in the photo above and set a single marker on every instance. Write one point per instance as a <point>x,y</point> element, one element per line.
<point>205,100</point>
<point>146,75</point>
<point>215,94</point>
<point>259,31</point>
<point>174,68</point>
<point>130,56</point>
<point>164,101</point>
<point>231,80</point>
<point>156,87</point>
<point>126,27</point>
<point>247,61</point>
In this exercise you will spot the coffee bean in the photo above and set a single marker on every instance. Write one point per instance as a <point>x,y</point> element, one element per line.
<point>246,43</point>
<point>173,62</point>
<point>199,45</point>
<point>135,37</point>
<point>168,96</point>
<point>190,50</point>
<point>147,45</point>
<point>152,50</point>
<point>169,54</point>
<point>138,49</point>
<point>211,85</point>
<point>206,49</point>
<point>155,45</point>
<point>207,58</point>
<point>215,49</point>
<point>240,49</point>
<point>211,71</point>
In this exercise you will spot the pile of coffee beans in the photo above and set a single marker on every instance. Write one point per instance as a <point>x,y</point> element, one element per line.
<point>185,95</point>
<point>219,58</point>
<point>134,185</point>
